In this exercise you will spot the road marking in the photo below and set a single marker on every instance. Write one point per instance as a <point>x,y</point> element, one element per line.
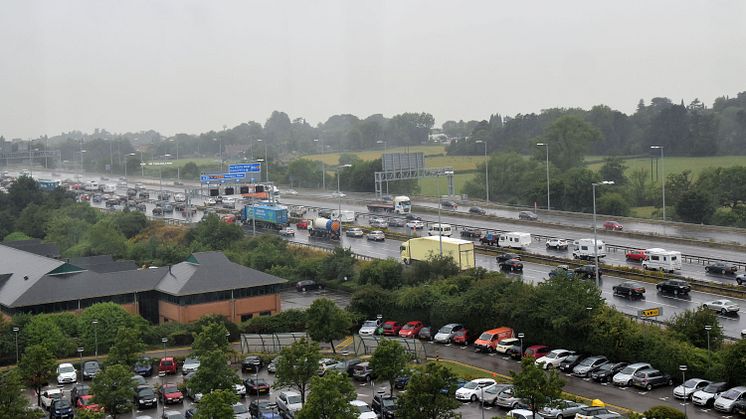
<point>642,393</point>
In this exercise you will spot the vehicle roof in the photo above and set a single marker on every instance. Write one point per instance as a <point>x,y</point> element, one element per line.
<point>536,347</point>
<point>65,364</point>
<point>358,403</point>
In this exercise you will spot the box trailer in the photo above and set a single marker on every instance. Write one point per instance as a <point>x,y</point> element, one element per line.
<point>662,260</point>
<point>583,249</point>
<point>423,248</point>
<point>514,240</point>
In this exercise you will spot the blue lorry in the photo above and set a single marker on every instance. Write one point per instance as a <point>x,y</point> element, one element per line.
<point>266,216</point>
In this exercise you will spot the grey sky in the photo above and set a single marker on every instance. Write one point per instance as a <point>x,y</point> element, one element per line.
<point>192,66</point>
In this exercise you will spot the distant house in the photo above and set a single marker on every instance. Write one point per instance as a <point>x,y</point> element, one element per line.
<point>206,283</point>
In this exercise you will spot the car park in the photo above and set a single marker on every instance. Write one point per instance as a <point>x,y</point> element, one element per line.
<point>588,365</point>
<point>722,306</point>
<point>411,329</point>
<point>605,372</point>
<point>446,333</point>
<point>629,290</point>
<point>470,390</point>
<point>689,387</point>
<point>635,255</point>
<point>308,285</point>
<point>354,232</point>
<point>726,401</point>
<point>376,235</point>
<point>527,215</point>
<point>477,210</point>
<point>721,268</point>
<point>288,403</point>
<point>365,411</point>
<point>650,378</point>
<point>557,244</point>
<point>674,286</point>
<point>613,226</point>
<point>66,373</point>
<point>707,396</point>
<point>91,369</point>
<point>511,265</point>
<point>561,409</point>
<point>553,359</point>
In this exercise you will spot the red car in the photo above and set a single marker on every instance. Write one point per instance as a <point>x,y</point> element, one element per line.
<point>461,337</point>
<point>411,329</point>
<point>613,226</point>
<point>391,328</point>
<point>635,255</point>
<point>167,365</point>
<point>169,393</point>
<point>86,403</point>
<point>536,351</point>
<point>302,224</point>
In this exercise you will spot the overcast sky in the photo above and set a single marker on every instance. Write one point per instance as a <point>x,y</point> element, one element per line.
<point>192,66</point>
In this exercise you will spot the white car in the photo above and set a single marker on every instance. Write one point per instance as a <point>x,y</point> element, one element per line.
<point>553,358</point>
<point>210,201</point>
<point>726,400</point>
<point>240,390</point>
<point>287,232</point>
<point>722,306</point>
<point>624,377</point>
<point>415,224</point>
<point>379,222</point>
<point>689,387</point>
<point>521,414</point>
<point>354,232</point>
<point>190,365</point>
<point>471,391</point>
<point>66,373</point>
<point>49,395</point>
<point>179,197</point>
<point>325,363</point>
<point>505,344</point>
<point>290,192</point>
<point>336,194</point>
<point>369,328</point>
<point>288,403</point>
<point>376,235</point>
<point>365,411</point>
<point>559,244</point>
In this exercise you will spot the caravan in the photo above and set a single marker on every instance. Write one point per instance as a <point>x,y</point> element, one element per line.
<point>583,249</point>
<point>514,240</point>
<point>662,260</point>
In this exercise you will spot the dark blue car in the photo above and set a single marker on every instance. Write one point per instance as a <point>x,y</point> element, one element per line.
<point>144,367</point>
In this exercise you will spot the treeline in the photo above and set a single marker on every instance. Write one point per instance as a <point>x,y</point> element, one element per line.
<point>684,130</point>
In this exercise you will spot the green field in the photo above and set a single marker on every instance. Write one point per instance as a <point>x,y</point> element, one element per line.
<point>429,186</point>
<point>677,164</point>
<point>333,158</point>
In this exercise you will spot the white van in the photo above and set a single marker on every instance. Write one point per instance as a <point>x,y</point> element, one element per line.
<point>440,229</point>
<point>514,240</point>
<point>662,260</point>
<point>583,249</point>
<point>347,216</point>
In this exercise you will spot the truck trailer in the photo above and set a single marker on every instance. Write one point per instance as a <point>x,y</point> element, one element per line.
<point>399,205</point>
<point>266,216</point>
<point>423,248</point>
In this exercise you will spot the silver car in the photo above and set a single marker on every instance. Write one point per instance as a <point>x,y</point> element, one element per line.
<point>507,399</point>
<point>489,394</point>
<point>561,409</point>
<point>722,306</point>
<point>624,377</point>
<point>447,332</point>
<point>726,400</point>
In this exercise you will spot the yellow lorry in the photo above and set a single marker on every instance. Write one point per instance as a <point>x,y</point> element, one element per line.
<point>421,249</point>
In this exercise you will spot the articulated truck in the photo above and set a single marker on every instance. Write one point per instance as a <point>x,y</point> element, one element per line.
<point>399,205</point>
<point>423,248</point>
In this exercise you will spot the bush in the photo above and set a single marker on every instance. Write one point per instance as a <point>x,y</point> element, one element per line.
<point>663,412</point>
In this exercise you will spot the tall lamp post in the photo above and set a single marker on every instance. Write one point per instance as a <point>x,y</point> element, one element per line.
<point>82,153</point>
<point>220,149</point>
<point>683,369</point>
<point>16,329</point>
<point>595,237</point>
<point>384,142</point>
<point>266,161</point>
<point>125,163</point>
<point>440,204</point>
<point>339,201</point>
<point>486,171</point>
<point>164,341</point>
<point>95,336</point>
<point>323,169</point>
<point>663,177</point>
<point>80,353</point>
<point>546,146</point>
<point>707,330</point>
<point>521,336</point>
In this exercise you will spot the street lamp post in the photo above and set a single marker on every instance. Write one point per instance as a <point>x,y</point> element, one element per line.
<point>82,152</point>
<point>546,146</point>
<point>95,336</point>
<point>16,329</point>
<point>385,145</point>
<point>125,164</point>
<point>595,237</point>
<point>142,165</point>
<point>683,369</point>
<point>486,171</point>
<point>266,161</point>
<point>339,201</point>
<point>164,341</point>
<point>707,330</point>
<point>440,204</point>
<point>521,336</point>
<point>323,169</point>
<point>663,178</point>
<point>80,353</point>
<point>220,149</point>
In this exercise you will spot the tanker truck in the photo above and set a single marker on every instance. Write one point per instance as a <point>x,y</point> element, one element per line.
<point>324,228</point>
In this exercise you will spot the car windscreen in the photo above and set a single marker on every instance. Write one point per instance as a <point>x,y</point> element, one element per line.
<point>691,383</point>
<point>146,393</point>
<point>294,399</point>
<point>446,329</point>
<point>731,394</point>
<point>239,408</point>
<point>485,336</point>
<point>370,323</point>
<point>363,408</point>
<point>628,370</point>
<point>713,388</point>
<point>471,385</point>
<point>66,369</point>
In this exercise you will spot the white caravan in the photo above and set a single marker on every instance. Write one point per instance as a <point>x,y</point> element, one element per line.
<point>583,249</point>
<point>662,260</point>
<point>514,240</point>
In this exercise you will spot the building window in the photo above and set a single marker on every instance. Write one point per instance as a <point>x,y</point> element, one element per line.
<point>265,313</point>
<point>246,317</point>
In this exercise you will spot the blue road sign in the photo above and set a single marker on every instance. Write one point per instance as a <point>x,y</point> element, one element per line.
<point>245,168</point>
<point>221,177</point>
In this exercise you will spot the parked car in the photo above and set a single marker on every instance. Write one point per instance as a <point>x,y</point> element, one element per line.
<point>557,244</point>
<point>570,362</point>
<point>365,411</point>
<point>470,390</point>
<point>91,369</point>
<point>588,365</point>
<point>562,409</point>
<point>504,345</point>
<point>251,363</point>
<point>650,378</point>
<point>426,333</point>
<point>446,333</point>
<point>189,365</point>
<point>354,232</point>
<point>138,380</point>
<point>527,215</point>
<point>66,373</point>
<point>461,337</point>
<point>624,377</point>
<point>256,386</point>
<point>477,210</point>
<point>384,406</point>
<point>288,403</point>
<point>553,359</point>
<point>411,329</point>
<point>167,365</point>
<point>721,268</point>
<point>376,235</point>
<point>512,265</point>
<point>515,351</point>
<point>363,372</point>
<point>507,256</point>
<point>400,382</point>
<point>741,279</point>
<point>325,364</point>
<point>629,290</point>
<point>391,328</point>
<point>61,409</point>
<point>471,233</point>
<point>86,403</point>
<point>536,351</point>
<point>635,255</point>
<point>722,306</point>
<point>674,286</point>
<point>506,398</point>
<point>725,402</point>
<point>240,411</point>
<point>264,409</point>
<point>49,395</point>
<point>605,372</point>
<point>706,397</point>
<point>145,397</point>
<point>169,393</point>
<point>345,367</point>
<point>596,412</point>
<point>689,387</point>
<point>272,366</point>
<point>488,395</point>
<point>79,390</point>
<point>370,328</point>
<point>308,285</point>
<point>587,271</point>
<point>613,226</point>
<point>143,367</point>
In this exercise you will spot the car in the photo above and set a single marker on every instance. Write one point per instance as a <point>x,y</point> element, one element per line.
<point>346,367</point>
<point>527,215</point>
<point>650,378</point>
<point>613,226</point>
<point>400,382</point>
<point>411,217</point>
<point>264,409</point>
<point>561,271</point>
<point>354,232</point>
<point>471,233</point>
<point>515,351</point>
<point>604,373</point>
<point>512,265</point>
<point>376,235</point>
<point>79,390</point>
<point>536,351</point>
<point>689,387</point>
<point>397,222</point>
<point>470,391</point>
<point>272,366</point>
<point>168,209</point>
<point>189,365</point>
<point>66,373</point>
<point>384,405</point>
<point>625,376</point>
<point>411,329</point>
<point>446,333</point>
<point>138,380</point>
<point>477,210</point>
<point>337,194</point>
<point>86,403</point>
<point>172,414</point>
<point>167,365</point>
<point>145,397</point>
<point>595,412</point>
<point>571,361</point>
<point>557,244</point>
<point>506,257</point>
<point>257,386</point>
<point>741,279</point>
<point>287,232</point>
<point>157,211</point>
<point>505,344</point>
<point>365,411</point>
<point>308,285</point>
<point>707,396</point>
<point>674,286</point>
<point>722,306</point>
<point>629,290</point>
<point>506,398</point>
<point>290,192</point>
<point>561,409</point>
<point>143,367</point>
<point>251,363</point>
<point>240,390</point>
<point>588,365</point>
<point>426,333</point>
<point>61,409</point>
<point>488,395</point>
<point>370,328</point>
<point>448,204</point>
<point>169,393</point>
<point>520,414</point>
<point>49,395</point>
<point>325,364</point>
<point>288,402</point>
<point>302,225</point>
<point>635,255</point>
<point>587,271</point>
<point>553,359</point>
<point>415,225</point>
<point>721,268</point>
<point>90,369</point>
<point>378,222</point>
<point>725,402</point>
<point>461,337</point>
<point>363,372</point>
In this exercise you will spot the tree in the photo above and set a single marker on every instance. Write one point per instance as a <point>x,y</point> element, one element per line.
<point>89,414</point>
<point>127,349</point>
<point>214,234</point>
<point>569,138</point>
<point>695,207</point>
<point>213,373</point>
<point>330,398</point>
<point>112,388</point>
<point>667,412</point>
<point>212,337</point>
<point>43,330</point>
<point>613,203</point>
<point>299,363</point>
<point>387,273</point>
<point>13,404</point>
<point>389,360</point>
<point>735,360</point>
<point>327,322</point>
<point>217,405</point>
<point>110,318</point>
<point>613,169</point>
<point>425,399</point>
<point>689,326</point>
<point>104,238</point>
<point>537,388</point>
<point>37,367</point>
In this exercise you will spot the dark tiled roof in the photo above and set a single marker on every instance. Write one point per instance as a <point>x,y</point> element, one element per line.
<point>104,263</point>
<point>36,247</point>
